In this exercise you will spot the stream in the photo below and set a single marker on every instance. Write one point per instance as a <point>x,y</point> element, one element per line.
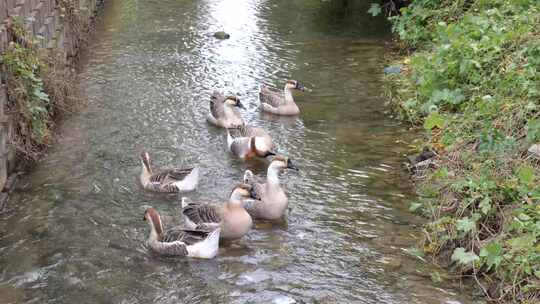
<point>75,232</point>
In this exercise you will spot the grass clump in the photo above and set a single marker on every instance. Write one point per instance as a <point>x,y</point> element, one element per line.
<point>28,102</point>
<point>473,84</point>
<point>40,85</point>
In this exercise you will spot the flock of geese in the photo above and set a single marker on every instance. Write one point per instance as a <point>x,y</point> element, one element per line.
<point>255,198</point>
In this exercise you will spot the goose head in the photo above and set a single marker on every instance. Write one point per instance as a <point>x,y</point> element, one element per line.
<point>154,220</point>
<point>294,84</point>
<point>280,163</point>
<point>249,177</point>
<point>239,192</point>
<point>234,101</point>
<point>145,160</point>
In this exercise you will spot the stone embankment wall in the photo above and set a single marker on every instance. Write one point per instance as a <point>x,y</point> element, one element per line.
<point>45,20</point>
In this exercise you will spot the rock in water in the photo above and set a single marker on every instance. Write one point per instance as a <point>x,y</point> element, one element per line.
<point>534,150</point>
<point>222,35</point>
<point>393,69</point>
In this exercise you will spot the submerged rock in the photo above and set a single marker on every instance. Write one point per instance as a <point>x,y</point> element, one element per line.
<point>393,69</point>
<point>422,161</point>
<point>418,158</point>
<point>222,35</point>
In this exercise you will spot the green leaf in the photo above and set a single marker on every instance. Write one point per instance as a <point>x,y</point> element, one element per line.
<point>492,252</point>
<point>375,9</point>
<point>465,224</point>
<point>522,243</point>
<point>485,205</point>
<point>533,130</point>
<point>434,120</point>
<point>436,277</point>
<point>41,95</point>
<point>415,206</point>
<point>441,173</point>
<point>463,257</point>
<point>526,174</point>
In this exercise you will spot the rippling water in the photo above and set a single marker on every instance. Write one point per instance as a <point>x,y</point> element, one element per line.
<point>75,232</point>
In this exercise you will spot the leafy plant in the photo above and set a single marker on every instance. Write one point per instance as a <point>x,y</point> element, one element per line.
<point>473,83</point>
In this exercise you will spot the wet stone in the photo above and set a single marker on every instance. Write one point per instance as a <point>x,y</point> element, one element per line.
<point>222,35</point>
<point>534,150</point>
<point>393,69</point>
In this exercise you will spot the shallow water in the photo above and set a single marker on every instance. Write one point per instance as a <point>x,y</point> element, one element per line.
<point>75,232</point>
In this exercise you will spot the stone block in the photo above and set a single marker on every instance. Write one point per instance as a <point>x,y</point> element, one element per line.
<point>40,14</point>
<point>16,11</point>
<point>10,4</point>
<point>26,6</point>
<point>51,25</point>
<point>3,39</point>
<point>3,11</point>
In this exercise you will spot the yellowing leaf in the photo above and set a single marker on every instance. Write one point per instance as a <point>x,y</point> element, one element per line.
<point>434,120</point>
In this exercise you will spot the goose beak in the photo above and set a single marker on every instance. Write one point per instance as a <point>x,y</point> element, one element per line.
<point>300,87</point>
<point>269,153</point>
<point>291,166</point>
<point>240,105</point>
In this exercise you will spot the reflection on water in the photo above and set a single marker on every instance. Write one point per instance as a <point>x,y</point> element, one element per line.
<point>75,233</point>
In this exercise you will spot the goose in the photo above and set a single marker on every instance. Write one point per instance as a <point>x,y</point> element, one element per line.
<point>222,111</point>
<point>269,201</point>
<point>280,103</point>
<point>180,242</point>
<point>251,142</point>
<point>169,181</point>
<point>231,217</point>
<point>250,178</point>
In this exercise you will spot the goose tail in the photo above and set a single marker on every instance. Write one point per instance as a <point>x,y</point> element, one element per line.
<point>208,248</point>
<point>230,139</point>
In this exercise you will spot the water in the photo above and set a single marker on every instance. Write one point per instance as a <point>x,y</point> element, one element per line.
<point>75,233</point>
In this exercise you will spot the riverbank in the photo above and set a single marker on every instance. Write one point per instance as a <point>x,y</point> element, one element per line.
<point>40,43</point>
<point>470,78</point>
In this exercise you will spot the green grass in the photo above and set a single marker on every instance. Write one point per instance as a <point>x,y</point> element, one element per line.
<point>473,84</point>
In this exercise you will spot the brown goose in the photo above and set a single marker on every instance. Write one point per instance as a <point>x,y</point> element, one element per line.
<point>250,142</point>
<point>169,181</point>
<point>222,111</point>
<point>270,201</point>
<point>180,242</point>
<point>231,217</point>
<point>280,103</point>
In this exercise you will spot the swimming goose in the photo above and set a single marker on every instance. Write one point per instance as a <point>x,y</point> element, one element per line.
<point>250,178</point>
<point>250,131</point>
<point>231,217</point>
<point>280,103</point>
<point>251,142</point>
<point>222,111</point>
<point>270,201</point>
<point>170,181</point>
<point>180,242</point>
